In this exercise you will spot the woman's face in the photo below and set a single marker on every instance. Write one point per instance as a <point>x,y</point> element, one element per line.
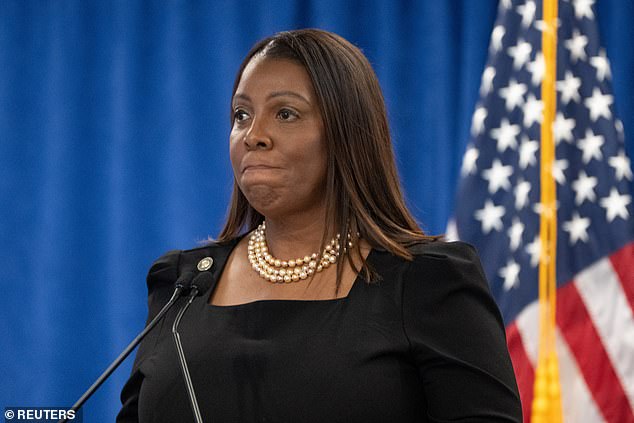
<point>277,150</point>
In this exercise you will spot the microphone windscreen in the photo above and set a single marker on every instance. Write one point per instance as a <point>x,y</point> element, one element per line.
<point>202,282</point>
<point>184,281</point>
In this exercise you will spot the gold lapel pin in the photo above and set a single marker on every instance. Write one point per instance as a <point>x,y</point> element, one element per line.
<point>205,264</point>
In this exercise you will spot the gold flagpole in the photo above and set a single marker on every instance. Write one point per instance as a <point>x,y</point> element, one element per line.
<point>547,391</point>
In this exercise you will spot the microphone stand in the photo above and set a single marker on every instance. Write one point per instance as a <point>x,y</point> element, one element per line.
<point>181,286</point>
<point>200,280</point>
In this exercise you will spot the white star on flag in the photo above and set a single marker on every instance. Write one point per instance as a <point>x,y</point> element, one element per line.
<point>490,216</point>
<point>602,65</point>
<point>562,128</point>
<point>583,8</point>
<point>577,228</point>
<point>487,80</point>
<point>522,189</point>
<point>513,94</point>
<point>520,53</point>
<point>477,122</point>
<point>569,88</point>
<point>616,205</point>
<point>532,110</point>
<point>540,25</point>
<point>498,176</point>
<point>510,273</point>
<point>528,148</point>
<point>469,161</point>
<point>621,165</point>
<point>537,68</point>
<point>577,46</point>
<point>534,250</point>
<point>505,135</point>
<point>528,12</point>
<point>618,124</point>
<point>591,146</point>
<point>599,105</point>
<point>558,170</point>
<point>515,233</point>
<point>496,37</point>
<point>584,188</point>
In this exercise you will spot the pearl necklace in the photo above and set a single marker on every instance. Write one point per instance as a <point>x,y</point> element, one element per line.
<point>275,270</point>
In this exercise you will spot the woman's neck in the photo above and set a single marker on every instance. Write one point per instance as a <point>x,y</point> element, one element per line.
<point>295,236</point>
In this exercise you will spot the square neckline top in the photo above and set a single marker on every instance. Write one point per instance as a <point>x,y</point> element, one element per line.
<point>357,281</point>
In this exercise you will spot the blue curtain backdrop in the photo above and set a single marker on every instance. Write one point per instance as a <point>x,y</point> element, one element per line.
<point>114,121</point>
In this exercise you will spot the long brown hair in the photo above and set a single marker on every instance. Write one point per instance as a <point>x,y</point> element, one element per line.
<point>363,193</point>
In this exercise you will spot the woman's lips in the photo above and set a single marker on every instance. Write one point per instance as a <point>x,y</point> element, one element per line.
<point>258,167</point>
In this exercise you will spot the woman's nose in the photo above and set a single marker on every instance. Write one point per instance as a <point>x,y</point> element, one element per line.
<point>257,136</point>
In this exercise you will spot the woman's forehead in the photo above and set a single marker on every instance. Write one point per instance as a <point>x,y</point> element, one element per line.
<point>273,74</point>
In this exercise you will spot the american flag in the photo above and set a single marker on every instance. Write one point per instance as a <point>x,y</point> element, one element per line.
<point>498,208</point>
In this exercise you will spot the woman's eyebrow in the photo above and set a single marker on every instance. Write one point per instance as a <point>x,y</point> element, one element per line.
<point>245,97</point>
<point>288,93</point>
<point>241,96</point>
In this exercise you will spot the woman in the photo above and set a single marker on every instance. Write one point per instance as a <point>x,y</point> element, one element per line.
<point>328,303</point>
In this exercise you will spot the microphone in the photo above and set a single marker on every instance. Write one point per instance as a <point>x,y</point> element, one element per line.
<point>201,283</point>
<point>182,286</point>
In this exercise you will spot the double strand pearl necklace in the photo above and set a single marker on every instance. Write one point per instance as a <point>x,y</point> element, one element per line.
<point>275,270</point>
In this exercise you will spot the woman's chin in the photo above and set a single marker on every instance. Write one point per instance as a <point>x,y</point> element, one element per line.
<point>263,198</point>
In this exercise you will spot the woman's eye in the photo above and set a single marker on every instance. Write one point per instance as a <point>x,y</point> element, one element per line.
<point>286,114</point>
<point>239,115</point>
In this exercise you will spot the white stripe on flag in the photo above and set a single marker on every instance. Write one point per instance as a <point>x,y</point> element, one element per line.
<point>528,327</point>
<point>601,291</point>
<point>577,403</point>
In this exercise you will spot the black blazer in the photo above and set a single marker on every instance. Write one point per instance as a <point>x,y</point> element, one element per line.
<point>426,343</point>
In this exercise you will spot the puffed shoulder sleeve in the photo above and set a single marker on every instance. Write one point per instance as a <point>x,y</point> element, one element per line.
<point>160,280</point>
<point>457,337</point>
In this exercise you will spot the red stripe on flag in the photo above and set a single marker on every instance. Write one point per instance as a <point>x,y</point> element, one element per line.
<point>623,263</point>
<point>523,368</point>
<point>585,344</point>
